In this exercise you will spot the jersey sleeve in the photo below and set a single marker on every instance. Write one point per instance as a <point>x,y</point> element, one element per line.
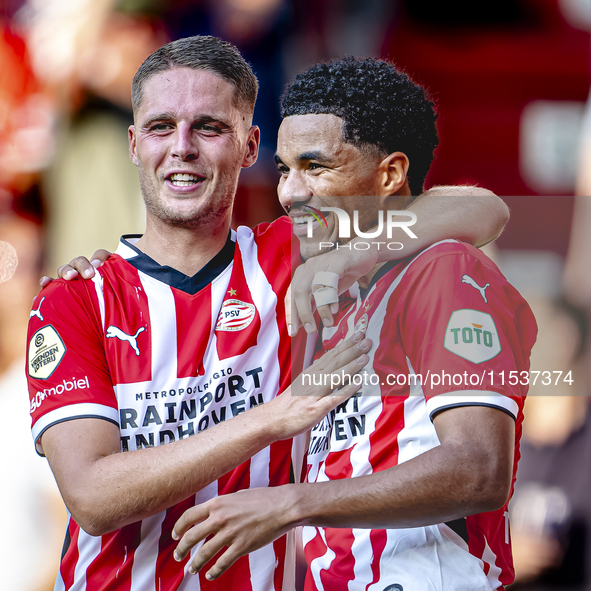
<point>67,372</point>
<point>467,332</point>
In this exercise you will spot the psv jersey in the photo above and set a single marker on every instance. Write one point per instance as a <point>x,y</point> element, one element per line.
<point>164,356</point>
<point>444,326</point>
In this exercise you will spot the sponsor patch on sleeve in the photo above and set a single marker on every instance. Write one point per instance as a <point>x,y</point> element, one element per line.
<point>46,350</point>
<point>472,334</point>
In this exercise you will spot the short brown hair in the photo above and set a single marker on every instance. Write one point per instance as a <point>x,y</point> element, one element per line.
<point>200,53</point>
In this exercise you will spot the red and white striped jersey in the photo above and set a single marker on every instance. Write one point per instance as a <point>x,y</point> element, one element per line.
<point>164,356</point>
<point>444,326</point>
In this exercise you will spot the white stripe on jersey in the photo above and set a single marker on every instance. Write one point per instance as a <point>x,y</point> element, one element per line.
<point>219,288</point>
<point>125,251</point>
<point>491,558</point>
<point>89,547</point>
<point>362,553</point>
<point>143,572</point>
<point>418,434</point>
<point>163,329</point>
<point>261,561</point>
<point>191,582</point>
<point>98,287</point>
<point>264,299</point>
<point>59,582</point>
<point>424,554</point>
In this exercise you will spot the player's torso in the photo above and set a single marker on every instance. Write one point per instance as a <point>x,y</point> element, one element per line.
<point>388,423</point>
<point>181,359</point>
<point>183,362</point>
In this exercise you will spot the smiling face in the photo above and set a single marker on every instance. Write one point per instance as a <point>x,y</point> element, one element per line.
<point>318,169</point>
<point>189,142</point>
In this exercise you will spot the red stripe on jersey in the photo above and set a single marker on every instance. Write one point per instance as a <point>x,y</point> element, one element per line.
<point>236,342</point>
<point>169,572</point>
<point>121,282</point>
<point>490,526</point>
<point>115,561</point>
<point>237,479</point>
<point>342,567</point>
<point>70,558</point>
<point>315,547</point>
<point>278,467</point>
<point>338,464</point>
<point>279,547</point>
<point>383,452</point>
<point>235,579</point>
<point>192,334</point>
<point>378,539</point>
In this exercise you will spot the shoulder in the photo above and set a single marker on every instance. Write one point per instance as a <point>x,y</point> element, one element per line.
<point>275,242</point>
<point>63,300</point>
<point>449,253</point>
<point>61,292</point>
<point>452,275</point>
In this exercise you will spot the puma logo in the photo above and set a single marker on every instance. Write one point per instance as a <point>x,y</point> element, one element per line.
<point>115,332</point>
<point>467,279</point>
<point>37,312</point>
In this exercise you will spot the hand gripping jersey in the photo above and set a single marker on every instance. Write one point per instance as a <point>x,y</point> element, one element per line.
<point>164,356</point>
<point>444,326</point>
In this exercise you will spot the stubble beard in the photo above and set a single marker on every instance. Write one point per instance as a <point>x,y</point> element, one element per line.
<point>194,218</point>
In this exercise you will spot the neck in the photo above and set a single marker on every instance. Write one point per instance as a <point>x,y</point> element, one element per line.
<point>185,249</point>
<point>366,279</point>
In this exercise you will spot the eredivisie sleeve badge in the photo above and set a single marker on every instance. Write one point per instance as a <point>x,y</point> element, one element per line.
<point>46,350</point>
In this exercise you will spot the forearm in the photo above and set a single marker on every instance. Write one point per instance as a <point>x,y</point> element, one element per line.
<point>470,214</point>
<point>120,488</point>
<point>106,489</point>
<point>437,486</point>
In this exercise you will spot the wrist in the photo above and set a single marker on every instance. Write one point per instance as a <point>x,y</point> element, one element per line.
<point>297,504</point>
<point>271,419</point>
<point>361,256</point>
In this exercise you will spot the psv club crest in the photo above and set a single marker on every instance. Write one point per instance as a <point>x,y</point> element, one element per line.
<point>235,315</point>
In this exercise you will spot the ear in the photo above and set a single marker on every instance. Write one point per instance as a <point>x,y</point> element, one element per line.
<point>252,147</point>
<point>132,144</point>
<point>394,170</point>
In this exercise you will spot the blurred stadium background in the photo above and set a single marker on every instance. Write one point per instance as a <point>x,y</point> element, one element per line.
<point>511,82</point>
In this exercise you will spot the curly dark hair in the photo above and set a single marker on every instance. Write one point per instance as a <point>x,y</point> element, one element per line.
<point>380,106</point>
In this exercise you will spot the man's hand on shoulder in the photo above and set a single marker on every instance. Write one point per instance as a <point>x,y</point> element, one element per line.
<point>80,266</point>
